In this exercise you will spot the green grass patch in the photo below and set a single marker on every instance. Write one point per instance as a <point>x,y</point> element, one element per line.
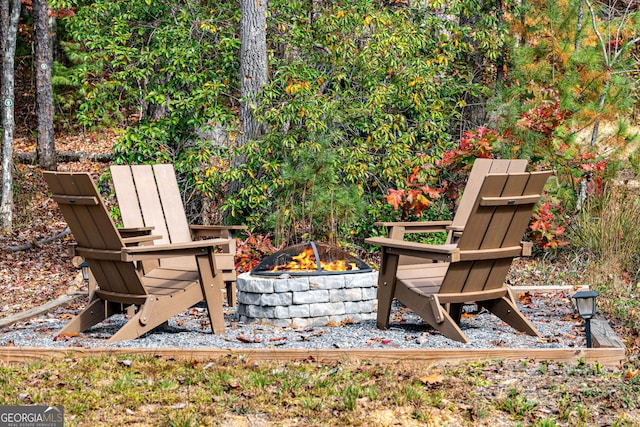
<point>228,391</point>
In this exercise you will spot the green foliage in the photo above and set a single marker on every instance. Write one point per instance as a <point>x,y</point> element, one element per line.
<point>517,405</point>
<point>355,93</point>
<point>166,69</point>
<point>364,97</point>
<point>590,63</point>
<point>154,60</point>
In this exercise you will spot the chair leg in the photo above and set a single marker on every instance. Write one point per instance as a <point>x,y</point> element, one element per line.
<point>455,311</point>
<point>156,311</point>
<point>211,284</point>
<point>386,289</point>
<point>506,309</point>
<point>423,307</point>
<point>231,293</point>
<point>449,328</point>
<point>95,312</point>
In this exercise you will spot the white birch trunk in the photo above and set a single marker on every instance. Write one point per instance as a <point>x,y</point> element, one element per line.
<point>8,120</point>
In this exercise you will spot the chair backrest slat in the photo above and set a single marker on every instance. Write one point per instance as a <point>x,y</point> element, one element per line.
<point>93,228</point>
<point>482,167</point>
<point>148,196</point>
<point>150,203</point>
<point>126,194</point>
<point>501,223</point>
<point>172,205</point>
<point>503,214</point>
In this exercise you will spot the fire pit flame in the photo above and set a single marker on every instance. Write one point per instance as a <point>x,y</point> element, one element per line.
<point>305,261</point>
<point>310,258</point>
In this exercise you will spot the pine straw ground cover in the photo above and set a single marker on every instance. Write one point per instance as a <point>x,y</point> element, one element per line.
<point>132,390</point>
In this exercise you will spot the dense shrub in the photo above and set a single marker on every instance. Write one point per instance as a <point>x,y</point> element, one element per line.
<point>163,70</point>
<point>358,97</point>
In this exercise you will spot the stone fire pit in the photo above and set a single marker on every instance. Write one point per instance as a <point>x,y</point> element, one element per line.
<point>301,301</point>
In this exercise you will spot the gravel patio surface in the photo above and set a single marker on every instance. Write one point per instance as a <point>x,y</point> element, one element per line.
<point>551,312</point>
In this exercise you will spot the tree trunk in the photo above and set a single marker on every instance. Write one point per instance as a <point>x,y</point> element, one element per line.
<point>596,124</point>
<point>46,149</point>
<point>8,120</point>
<point>253,72</point>
<point>4,31</point>
<point>579,25</point>
<point>474,113</point>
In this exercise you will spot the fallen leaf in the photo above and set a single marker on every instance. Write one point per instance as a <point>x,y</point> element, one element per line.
<point>433,378</point>
<point>525,298</point>
<point>247,340</point>
<point>63,337</point>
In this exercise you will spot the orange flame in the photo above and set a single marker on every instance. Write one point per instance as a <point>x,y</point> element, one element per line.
<point>306,261</point>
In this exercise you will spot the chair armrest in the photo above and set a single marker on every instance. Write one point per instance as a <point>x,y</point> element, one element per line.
<point>198,247</point>
<point>216,230</point>
<point>134,231</point>
<point>449,253</point>
<point>397,230</point>
<point>137,240</point>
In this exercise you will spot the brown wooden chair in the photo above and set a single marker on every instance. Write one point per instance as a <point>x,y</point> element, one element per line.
<point>148,196</point>
<point>474,268</point>
<point>453,228</point>
<point>158,294</point>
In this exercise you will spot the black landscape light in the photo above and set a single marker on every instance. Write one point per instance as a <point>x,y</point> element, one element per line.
<point>84,267</point>
<point>586,305</point>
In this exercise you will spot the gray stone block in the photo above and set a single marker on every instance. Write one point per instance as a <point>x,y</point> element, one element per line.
<point>241,310</point>
<point>293,284</point>
<point>370,293</point>
<point>344,318</point>
<point>247,283</point>
<point>276,299</point>
<point>359,307</point>
<point>326,309</point>
<point>249,298</point>
<point>309,297</point>
<point>276,322</point>
<point>281,312</point>
<point>329,281</point>
<point>301,310</point>
<point>259,311</point>
<point>351,294</point>
<point>361,280</point>
<point>309,322</point>
<point>364,317</point>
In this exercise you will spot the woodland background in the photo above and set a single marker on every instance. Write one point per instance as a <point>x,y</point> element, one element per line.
<point>312,119</point>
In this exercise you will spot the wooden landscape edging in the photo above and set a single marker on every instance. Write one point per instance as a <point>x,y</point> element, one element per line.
<point>605,356</point>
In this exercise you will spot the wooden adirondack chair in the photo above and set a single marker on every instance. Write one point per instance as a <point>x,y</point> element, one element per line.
<point>148,196</point>
<point>474,268</point>
<point>158,294</point>
<point>454,228</point>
